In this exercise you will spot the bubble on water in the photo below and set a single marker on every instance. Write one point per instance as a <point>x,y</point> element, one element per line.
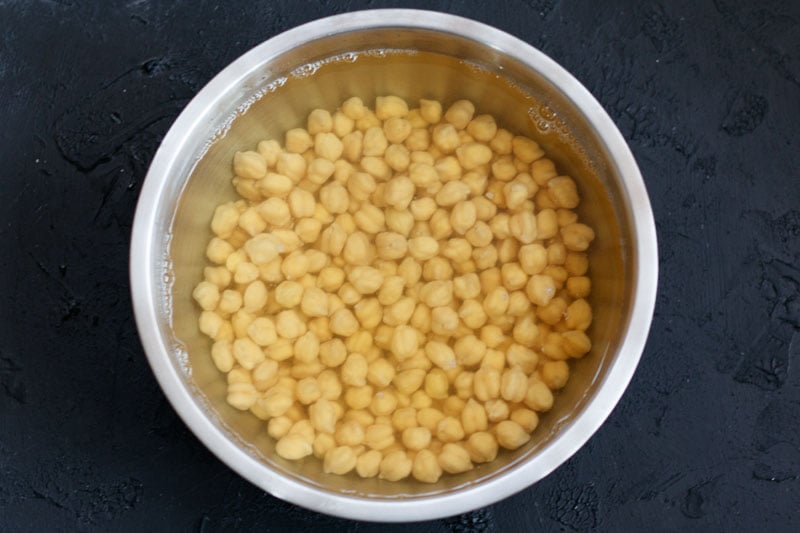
<point>475,67</point>
<point>223,129</point>
<point>306,70</point>
<point>309,69</point>
<point>164,290</point>
<point>548,123</point>
<point>383,52</point>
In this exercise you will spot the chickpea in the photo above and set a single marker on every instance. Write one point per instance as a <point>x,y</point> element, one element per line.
<point>473,155</point>
<point>486,384</point>
<point>436,384</point>
<point>263,248</point>
<point>368,463</point>
<point>444,321</point>
<point>399,313</point>
<point>479,234</point>
<point>387,107</point>
<point>398,157</point>
<point>445,138</point>
<point>395,466</point>
<point>453,405</point>
<point>526,332</point>
<point>421,319</point>
<point>503,168</point>
<point>437,269</point>
<point>349,433</point>
<point>242,396</point>
<point>514,385</point>
<point>522,357</point>
<point>409,381</point>
<point>247,353</point>
<point>397,129</point>
<point>244,273</point>
<point>249,165</point>
<point>449,429</point>
<point>354,370</point>
<point>460,113</point>
<point>380,373</point>
<point>523,227</point>
<point>469,351</point>
<point>222,355</point>
<point>327,145</point>
<point>473,417</point>
<point>554,374</point>
<point>206,295</point>
<point>454,459</point>
<point>426,467</point>
<point>511,435</point>
<point>293,447</point>
<point>483,128</point>
<point>440,354</point>
<point>375,142</point>
<point>576,343</point>
<point>539,397</point>
<point>358,397</point>
<point>540,289</point>
<point>553,312</point>
<point>298,140</point>
<point>577,237</point>
<point>343,323</point>
<point>322,443</point>
<point>307,391</point>
<point>379,436</point>
<point>262,331</point>
<point>290,325</point>
<point>329,385</point>
<point>279,427</point>
<point>497,410</point>
<point>416,438</point>
<point>269,150</point>
<point>482,447</point>
<point>496,302</point>
<point>280,350</point>
<point>369,120</point>
<point>354,108</point>
<point>265,375</point>
<point>578,315</point>
<point>405,341</point>
<point>339,460</point>
<point>526,418</point>
<point>219,276</point>
<point>383,403</point>
<point>292,166</point>
<point>341,124</point>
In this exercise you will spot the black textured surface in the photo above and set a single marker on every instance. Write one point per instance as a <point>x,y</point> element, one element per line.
<point>707,437</point>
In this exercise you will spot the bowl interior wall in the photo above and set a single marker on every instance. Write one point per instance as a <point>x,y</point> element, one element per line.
<point>442,67</point>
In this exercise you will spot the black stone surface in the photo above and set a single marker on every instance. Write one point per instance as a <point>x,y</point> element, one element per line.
<point>707,437</point>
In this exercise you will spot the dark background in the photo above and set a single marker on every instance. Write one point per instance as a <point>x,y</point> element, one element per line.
<point>707,437</point>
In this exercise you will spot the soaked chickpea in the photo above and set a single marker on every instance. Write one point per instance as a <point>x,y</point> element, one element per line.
<point>400,290</point>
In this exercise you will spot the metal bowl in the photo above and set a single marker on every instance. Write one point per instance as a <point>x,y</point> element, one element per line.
<point>413,54</point>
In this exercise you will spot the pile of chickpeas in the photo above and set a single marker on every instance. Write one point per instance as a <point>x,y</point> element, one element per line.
<point>398,291</point>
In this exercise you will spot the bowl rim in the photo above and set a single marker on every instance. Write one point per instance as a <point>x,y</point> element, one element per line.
<point>145,250</point>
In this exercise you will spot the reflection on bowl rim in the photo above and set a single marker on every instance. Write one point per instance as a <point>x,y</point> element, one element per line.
<point>145,249</point>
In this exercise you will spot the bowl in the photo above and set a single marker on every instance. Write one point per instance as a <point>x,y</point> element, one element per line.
<point>415,54</point>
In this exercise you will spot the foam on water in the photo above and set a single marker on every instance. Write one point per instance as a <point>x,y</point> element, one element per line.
<point>165,287</point>
<point>223,129</point>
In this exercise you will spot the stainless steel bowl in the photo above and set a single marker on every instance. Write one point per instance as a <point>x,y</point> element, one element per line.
<point>414,54</point>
